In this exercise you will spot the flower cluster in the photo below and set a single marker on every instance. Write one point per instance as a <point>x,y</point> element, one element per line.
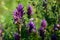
<point>18,13</point>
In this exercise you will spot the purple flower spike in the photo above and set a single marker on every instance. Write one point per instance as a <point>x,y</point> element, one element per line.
<point>16,36</point>
<point>18,13</point>
<point>29,11</point>
<point>20,10</point>
<point>31,26</point>
<point>42,29</point>
<point>43,23</point>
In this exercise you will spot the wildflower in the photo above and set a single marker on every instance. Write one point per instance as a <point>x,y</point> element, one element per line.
<point>29,11</point>
<point>32,26</point>
<point>43,23</point>
<point>42,29</point>
<point>20,10</point>
<point>18,13</point>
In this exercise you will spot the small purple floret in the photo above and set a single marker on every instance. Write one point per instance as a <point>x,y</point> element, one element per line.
<point>43,23</point>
